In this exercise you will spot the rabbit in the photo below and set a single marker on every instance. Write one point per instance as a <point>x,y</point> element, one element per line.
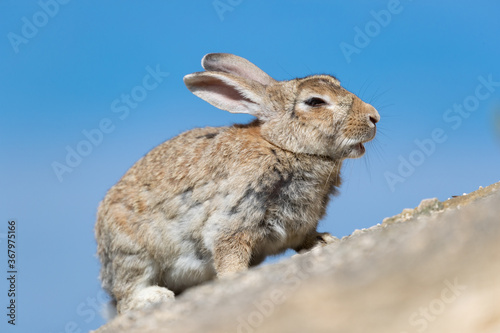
<point>215,201</point>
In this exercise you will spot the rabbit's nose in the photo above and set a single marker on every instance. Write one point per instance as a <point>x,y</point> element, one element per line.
<point>374,119</point>
<point>372,115</point>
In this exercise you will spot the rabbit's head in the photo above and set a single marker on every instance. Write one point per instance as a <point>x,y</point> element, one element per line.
<point>311,115</point>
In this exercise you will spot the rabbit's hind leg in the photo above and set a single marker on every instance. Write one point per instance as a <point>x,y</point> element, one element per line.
<point>135,284</point>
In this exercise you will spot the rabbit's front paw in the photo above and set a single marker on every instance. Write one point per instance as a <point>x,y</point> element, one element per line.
<point>324,238</point>
<point>316,240</point>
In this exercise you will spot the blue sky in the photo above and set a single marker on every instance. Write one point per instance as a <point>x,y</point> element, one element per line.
<point>64,69</point>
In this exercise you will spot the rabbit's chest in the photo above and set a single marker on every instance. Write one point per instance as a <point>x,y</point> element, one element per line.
<point>291,212</point>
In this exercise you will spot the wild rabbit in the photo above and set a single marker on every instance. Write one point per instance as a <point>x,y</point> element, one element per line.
<point>214,201</point>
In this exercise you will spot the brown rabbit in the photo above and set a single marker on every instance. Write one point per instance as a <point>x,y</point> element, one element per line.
<point>214,201</point>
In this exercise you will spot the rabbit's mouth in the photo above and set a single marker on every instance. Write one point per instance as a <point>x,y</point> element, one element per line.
<point>354,150</point>
<point>357,150</point>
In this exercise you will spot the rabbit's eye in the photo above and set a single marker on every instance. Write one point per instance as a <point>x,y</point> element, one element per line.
<point>315,101</point>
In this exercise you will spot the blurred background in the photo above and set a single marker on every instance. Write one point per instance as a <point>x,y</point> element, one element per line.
<point>87,88</point>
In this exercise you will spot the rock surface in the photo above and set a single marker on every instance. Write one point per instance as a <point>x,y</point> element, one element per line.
<point>435,268</point>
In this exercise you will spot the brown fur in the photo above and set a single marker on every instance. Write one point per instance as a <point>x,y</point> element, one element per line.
<point>214,201</point>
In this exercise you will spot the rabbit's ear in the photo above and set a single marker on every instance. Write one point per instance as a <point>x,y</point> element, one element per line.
<point>229,63</point>
<point>229,92</point>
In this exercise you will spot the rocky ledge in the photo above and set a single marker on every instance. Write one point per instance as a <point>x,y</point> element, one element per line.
<point>435,268</point>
